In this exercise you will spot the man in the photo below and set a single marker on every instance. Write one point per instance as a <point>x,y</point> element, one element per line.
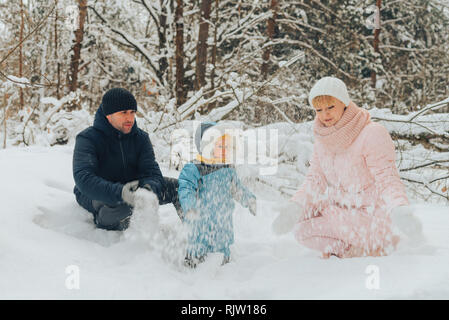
<point>112,159</point>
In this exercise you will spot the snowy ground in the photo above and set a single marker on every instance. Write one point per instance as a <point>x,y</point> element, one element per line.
<point>44,233</point>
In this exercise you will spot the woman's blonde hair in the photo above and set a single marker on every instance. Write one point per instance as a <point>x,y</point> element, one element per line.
<point>320,100</point>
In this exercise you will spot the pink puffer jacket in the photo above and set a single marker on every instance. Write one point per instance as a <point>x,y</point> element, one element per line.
<point>351,186</point>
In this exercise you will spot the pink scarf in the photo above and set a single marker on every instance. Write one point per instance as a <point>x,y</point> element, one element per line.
<point>341,135</point>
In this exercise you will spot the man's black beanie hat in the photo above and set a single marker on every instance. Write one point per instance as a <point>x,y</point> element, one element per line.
<point>118,99</point>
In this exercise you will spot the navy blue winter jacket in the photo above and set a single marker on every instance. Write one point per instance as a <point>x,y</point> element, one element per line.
<point>105,159</point>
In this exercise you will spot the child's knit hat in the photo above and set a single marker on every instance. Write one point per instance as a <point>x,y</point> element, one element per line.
<point>208,132</point>
<point>330,86</point>
<point>200,132</point>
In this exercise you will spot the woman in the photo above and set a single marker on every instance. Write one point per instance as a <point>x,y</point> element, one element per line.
<point>352,187</point>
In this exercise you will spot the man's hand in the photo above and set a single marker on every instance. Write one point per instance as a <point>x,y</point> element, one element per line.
<point>403,218</point>
<point>290,212</point>
<point>128,190</point>
<point>151,199</point>
<point>252,206</point>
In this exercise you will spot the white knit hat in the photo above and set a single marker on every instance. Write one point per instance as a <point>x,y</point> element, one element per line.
<point>330,86</point>
<point>211,134</point>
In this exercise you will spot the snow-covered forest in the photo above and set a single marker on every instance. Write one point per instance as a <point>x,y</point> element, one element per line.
<point>249,63</point>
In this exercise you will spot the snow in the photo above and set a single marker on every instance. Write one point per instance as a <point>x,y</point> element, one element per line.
<point>21,82</point>
<point>50,249</point>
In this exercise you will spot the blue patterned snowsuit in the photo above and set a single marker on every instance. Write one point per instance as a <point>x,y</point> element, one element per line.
<point>211,194</point>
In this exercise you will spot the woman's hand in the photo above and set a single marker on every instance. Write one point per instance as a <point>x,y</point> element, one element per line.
<point>403,218</point>
<point>290,212</point>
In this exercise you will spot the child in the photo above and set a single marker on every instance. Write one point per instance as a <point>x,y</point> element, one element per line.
<point>207,190</point>
<point>352,187</point>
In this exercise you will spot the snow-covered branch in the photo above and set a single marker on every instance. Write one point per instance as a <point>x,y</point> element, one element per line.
<point>134,43</point>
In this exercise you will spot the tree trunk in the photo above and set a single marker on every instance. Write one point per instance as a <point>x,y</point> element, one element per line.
<point>201,54</point>
<point>214,57</point>
<point>5,117</point>
<point>179,20</point>
<point>76,56</point>
<point>22,103</point>
<point>376,40</point>
<point>58,70</point>
<point>271,25</point>
<point>163,62</point>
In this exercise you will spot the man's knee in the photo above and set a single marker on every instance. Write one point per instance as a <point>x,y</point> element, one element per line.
<point>84,201</point>
<point>112,217</point>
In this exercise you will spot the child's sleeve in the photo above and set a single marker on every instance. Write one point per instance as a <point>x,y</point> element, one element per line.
<point>188,186</point>
<point>380,157</point>
<point>240,193</point>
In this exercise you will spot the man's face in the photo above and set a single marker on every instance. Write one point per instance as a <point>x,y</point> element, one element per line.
<point>122,120</point>
<point>329,110</point>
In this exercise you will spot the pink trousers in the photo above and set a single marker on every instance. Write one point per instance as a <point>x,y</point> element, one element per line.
<point>334,230</point>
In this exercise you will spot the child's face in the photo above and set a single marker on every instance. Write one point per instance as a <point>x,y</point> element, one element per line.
<point>223,148</point>
<point>329,110</point>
